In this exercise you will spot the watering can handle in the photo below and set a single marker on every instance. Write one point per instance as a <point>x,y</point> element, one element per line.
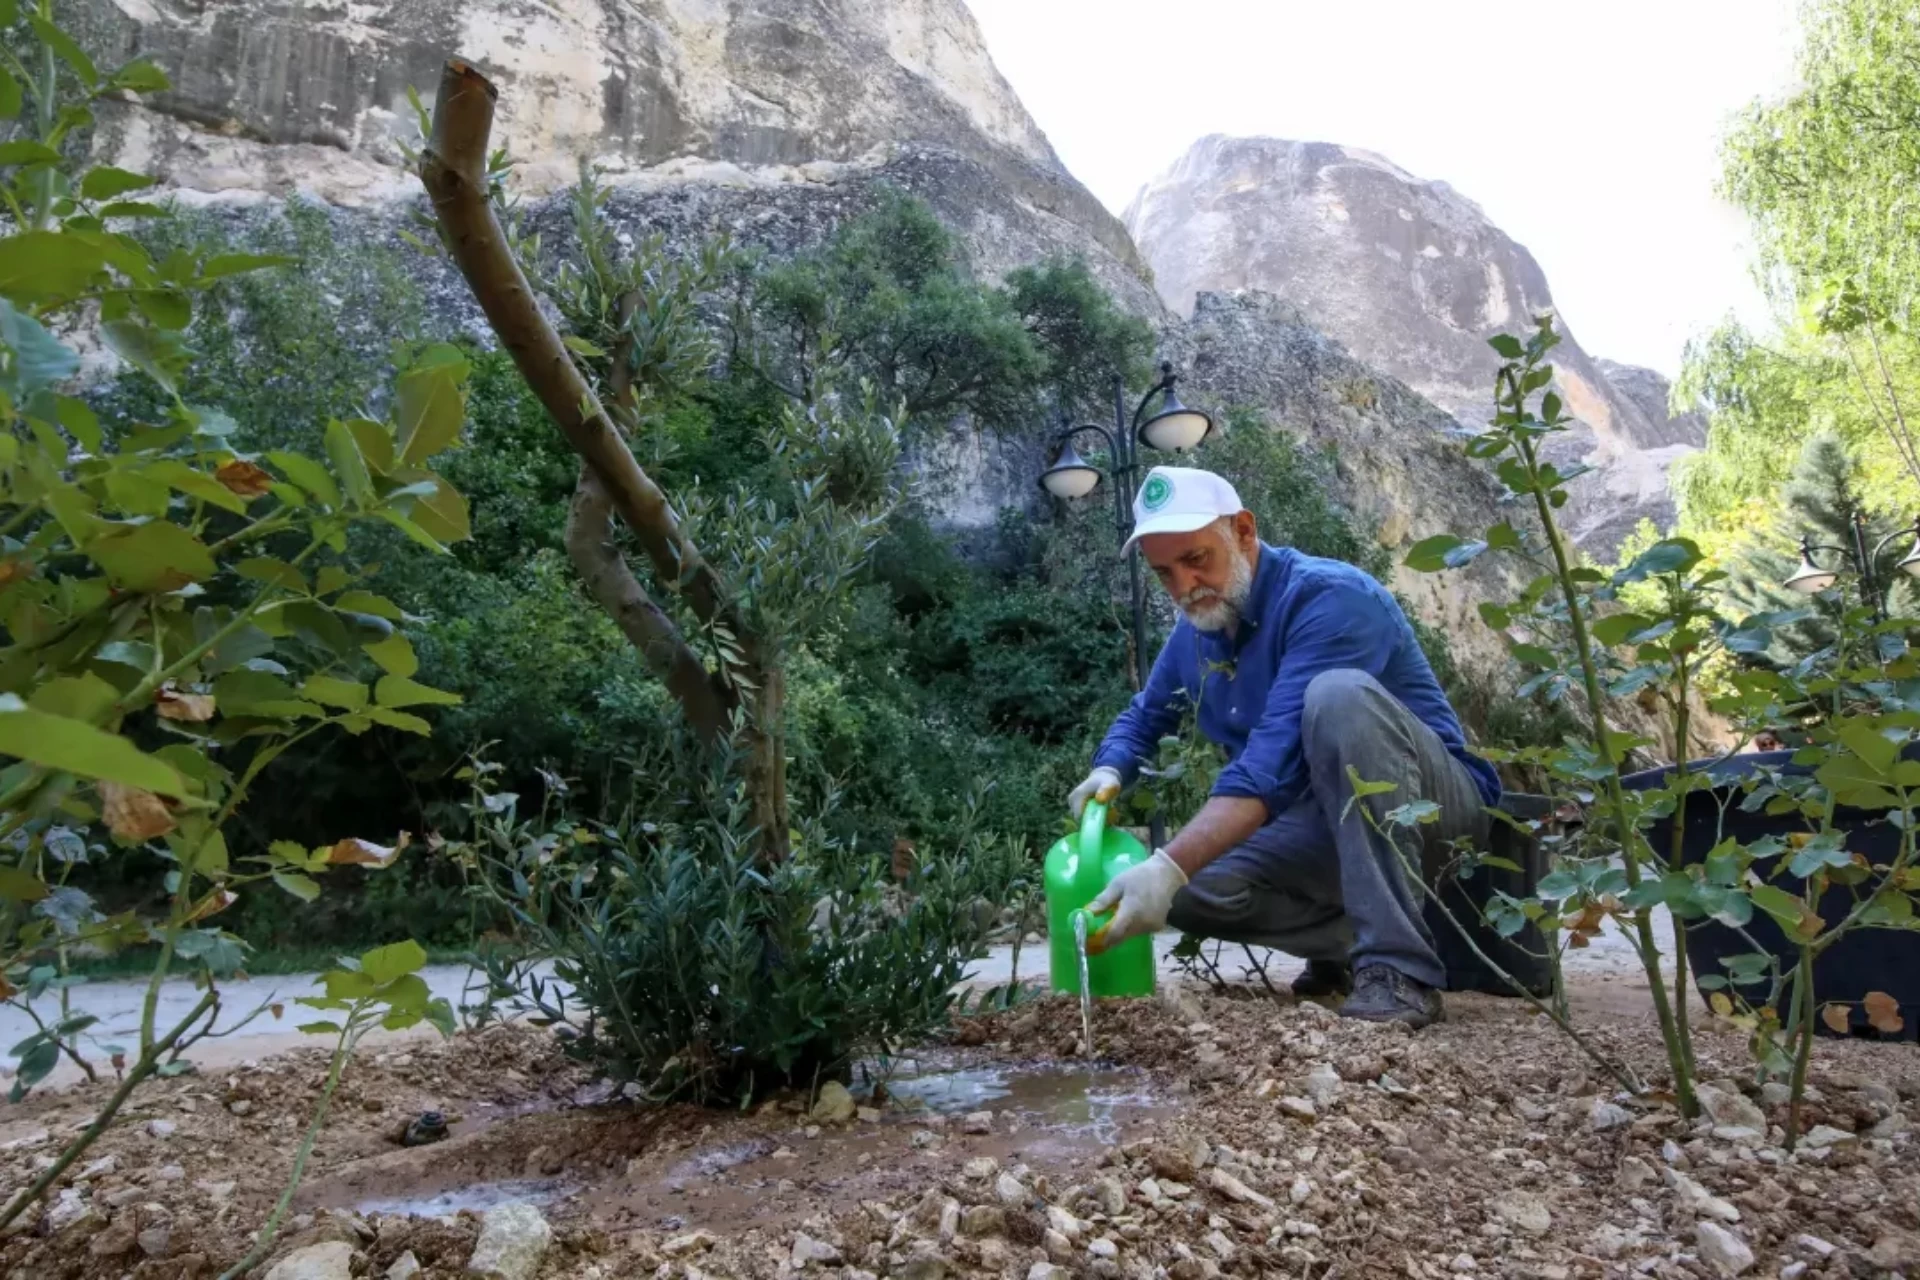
<point>1089,876</point>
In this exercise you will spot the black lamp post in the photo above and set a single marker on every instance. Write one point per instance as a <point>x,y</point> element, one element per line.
<point>1811,579</point>
<point>1174,429</point>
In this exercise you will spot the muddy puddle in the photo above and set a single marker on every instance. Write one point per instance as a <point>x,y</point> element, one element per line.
<point>622,1168</point>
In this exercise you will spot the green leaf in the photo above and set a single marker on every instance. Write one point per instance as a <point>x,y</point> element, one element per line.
<point>1816,854</point>
<point>308,474</point>
<point>38,266</point>
<point>267,569</point>
<point>400,720</point>
<point>11,97</point>
<point>65,49</point>
<point>394,654</point>
<point>348,463</point>
<point>155,352</point>
<point>141,76</point>
<point>1431,554</point>
<point>39,359</point>
<point>301,887</point>
<point>345,694</point>
<point>1549,407</point>
<point>1873,747</point>
<point>155,556</point>
<point>1507,345</point>
<point>56,742</point>
<point>399,691</point>
<point>358,601</point>
<point>1616,627</point>
<point>21,886</point>
<point>319,1028</point>
<point>375,443</point>
<point>26,151</point>
<point>384,964</point>
<point>438,508</point>
<point>180,477</point>
<point>1673,555</point>
<point>412,530</point>
<point>164,308</point>
<point>106,182</point>
<point>429,404</point>
<point>1533,655</point>
<point>1778,903</point>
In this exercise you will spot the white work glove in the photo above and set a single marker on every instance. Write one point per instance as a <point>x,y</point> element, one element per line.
<point>1103,784</point>
<point>1142,894</point>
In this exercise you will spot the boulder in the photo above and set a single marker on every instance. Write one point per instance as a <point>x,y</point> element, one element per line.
<point>514,1239</point>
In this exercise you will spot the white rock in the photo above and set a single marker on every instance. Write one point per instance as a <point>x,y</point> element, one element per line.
<point>1299,1108</point>
<point>161,1128</point>
<point>405,1267</point>
<point>1825,1135</point>
<point>169,1173</point>
<point>98,1169</point>
<point>1066,1224</point>
<point>807,1250</point>
<point>1048,1271</point>
<point>980,1168</point>
<point>331,1260</point>
<point>1671,1153</point>
<point>1813,1246</point>
<point>867,1115</point>
<point>1221,1246</point>
<point>514,1238</point>
<point>1793,1271</point>
<point>72,1210</point>
<point>1607,1115</point>
<point>692,1242</point>
<point>1698,1201</point>
<point>1112,1197</point>
<point>1009,1191</point>
<point>1722,1250</point>
<point>1301,1191</point>
<point>978,1122</point>
<point>1463,1263</point>
<point>1523,1210</point>
<point>1727,1107</point>
<point>1103,1248</point>
<point>1324,1084</point>
<point>1234,1189</point>
<point>153,1241</point>
<point>1301,1230</point>
<point>240,1107</point>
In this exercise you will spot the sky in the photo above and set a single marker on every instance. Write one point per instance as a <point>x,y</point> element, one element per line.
<point>1587,131</point>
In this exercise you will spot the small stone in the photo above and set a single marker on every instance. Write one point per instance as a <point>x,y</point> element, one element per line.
<point>978,1122</point>
<point>1058,1247</point>
<point>1463,1263</point>
<point>1740,1135</point>
<point>1301,1191</point>
<point>1066,1224</point>
<point>1299,1109</point>
<point>153,1241</point>
<point>983,1220</point>
<point>98,1169</point>
<point>1323,1084</point>
<point>1896,1251</point>
<point>1793,1271</point>
<point>1010,1191</point>
<point>786,1153</point>
<point>1523,1210</point>
<point>1813,1246</point>
<point>692,1242</point>
<point>73,1212</point>
<point>1169,1161</point>
<point>1698,1201</point>
<point>1104,1247</point>
<point>923,1138</point>
<point>867,1115</point>
<point>514,1238</point>
<point>1110,1196</point>
<point>807,1251</point>
<point>1610,1241</point>
<point>1607,1115</point>
<point>161,1128</point>
<point>1671,1153</point>
<point>1722,1250</point>
<point>1299,1230</point>
<point>240,1107</point>
<point>1730,1107</point>
<point>834,1105</point>
<point>1048,1271</point>
<point>1221,1246</point>
<point>1636,1173</point>
<point>980,1168</point>
<point>330,1260</point>
<point>1234,1189</point>
<point>405,1267</point>
<point>1775,1094</point>
<point>1825,1135</point>
<point>116,1239</point>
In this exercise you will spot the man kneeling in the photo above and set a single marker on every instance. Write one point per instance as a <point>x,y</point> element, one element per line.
<point>1298,667</point>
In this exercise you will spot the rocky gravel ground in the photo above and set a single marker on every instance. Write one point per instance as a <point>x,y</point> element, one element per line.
<point>1219,1135</point>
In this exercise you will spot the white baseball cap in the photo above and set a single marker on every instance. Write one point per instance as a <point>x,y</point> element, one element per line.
<point>1180,500</point>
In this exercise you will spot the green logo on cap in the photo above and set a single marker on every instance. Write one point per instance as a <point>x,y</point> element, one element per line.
<point>1157,493</point>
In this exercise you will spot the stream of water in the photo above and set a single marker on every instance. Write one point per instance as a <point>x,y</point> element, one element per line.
<point>1086,987</point>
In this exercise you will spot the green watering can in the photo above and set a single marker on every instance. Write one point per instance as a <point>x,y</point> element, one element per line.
<point>1078,867</point>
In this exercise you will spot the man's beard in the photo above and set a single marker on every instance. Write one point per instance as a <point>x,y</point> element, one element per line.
<point>1211,610</point>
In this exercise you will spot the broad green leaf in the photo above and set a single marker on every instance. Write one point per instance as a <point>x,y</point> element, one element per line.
<point>56,742</point>
<point>376,443</point>
<point>1507,345</point>
<point>1616,627</point>
<point>164,308</point>
<point>80,697</point>
<point>27,151</point>
<point>384,964</point>
<point>308,474</point>
<point>358,601</point>
<point>334,692</point>
<point>66,49</point>
<point>1673,555</point>
<point>412,530</point>
<point>39,359</point>
<point>1778,903</point>
<point>344,452</point>
<point>407,993</point>
<point>20,886</point>
<point>267,569</point>
<point>394,654</point>
<point>39,266</point>
<point>182,478</point>
<point>156,556</point>
<point>429,407</point>
<point>401,720</point>
<point>11,98</point>
<point>1873,747</point>
<point>106,182</point>
<point>319,1028</point>
<point>210,859</point>
<point>155,352</point>
<point>301,887</point>
<point>1430,554</point>
<point>399,691</point>
<point>439,509</point>
<point>141,76</point>
<point>78,417</point>
<point>1820,852</point>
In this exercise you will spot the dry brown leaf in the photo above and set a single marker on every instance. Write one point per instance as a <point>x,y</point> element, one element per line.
<point>7,990</point>
<point>174,705</point>
<point>277,1010</point>
<point>1883,1012</point>
<point>133,814</point>
<point>243,478</point>
<point>355,852</point>
<point>1837,1019</point>
<point>1810,924</point>
<point>12,570</point>
<point>213,904</point>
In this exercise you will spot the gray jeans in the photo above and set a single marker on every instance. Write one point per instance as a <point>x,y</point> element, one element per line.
<point>1314,885</point>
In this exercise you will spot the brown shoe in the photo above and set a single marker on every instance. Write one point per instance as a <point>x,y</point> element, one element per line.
<point>1384,994</point>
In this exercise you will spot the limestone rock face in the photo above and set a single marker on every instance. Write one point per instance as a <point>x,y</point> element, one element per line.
<point>274,96</point>
<point>1409,275</point>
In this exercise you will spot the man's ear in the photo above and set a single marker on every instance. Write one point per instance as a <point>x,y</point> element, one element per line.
<point>1245,533</point>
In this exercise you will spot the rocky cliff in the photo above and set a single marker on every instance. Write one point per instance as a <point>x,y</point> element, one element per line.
<point>772,120</point>
<point>1411,277</point>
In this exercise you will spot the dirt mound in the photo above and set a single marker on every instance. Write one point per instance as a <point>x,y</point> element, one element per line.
<point>1209,1135</point>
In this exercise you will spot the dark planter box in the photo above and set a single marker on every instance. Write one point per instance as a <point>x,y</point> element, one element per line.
<point>1520,955</point>
<point>1864,960</point>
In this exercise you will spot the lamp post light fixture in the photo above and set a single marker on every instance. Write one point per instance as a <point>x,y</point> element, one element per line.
<point>1174,428</point>
<point>1810,578</point>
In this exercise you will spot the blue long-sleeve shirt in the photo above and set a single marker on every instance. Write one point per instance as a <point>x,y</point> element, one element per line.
<point>1305,615</point>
